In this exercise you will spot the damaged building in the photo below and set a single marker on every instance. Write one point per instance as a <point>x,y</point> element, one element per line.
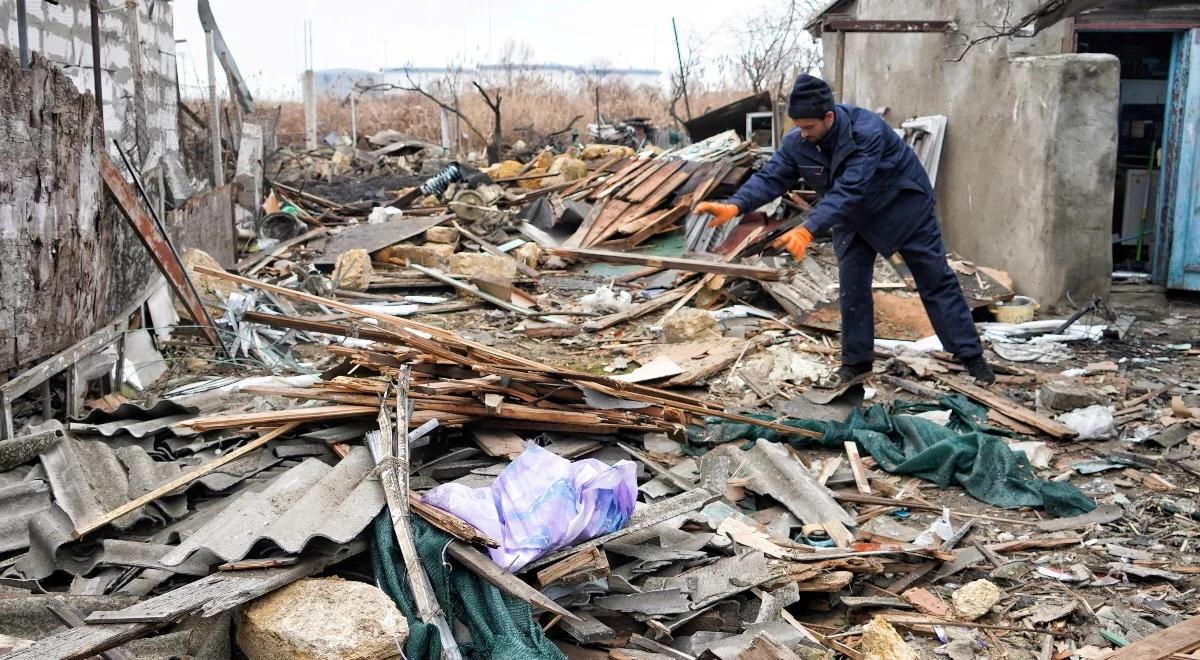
<point>1080,112</point>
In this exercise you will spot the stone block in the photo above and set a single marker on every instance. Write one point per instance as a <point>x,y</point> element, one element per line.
<point>974,599</point>
<point>430,255</point>
<point>447,235</point>
<point>471,263</point>
<point>322,619</point>
<point>689,324</point>
<point>353,270</point>
<point>1068,394</point>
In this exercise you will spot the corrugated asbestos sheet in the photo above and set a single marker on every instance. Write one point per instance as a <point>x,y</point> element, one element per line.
<point>91,478</point>
<point>307,504</point>
<point>19,503</point>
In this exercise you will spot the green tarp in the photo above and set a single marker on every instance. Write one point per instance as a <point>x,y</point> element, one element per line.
<point>502,626</point>
<point>966,453</point>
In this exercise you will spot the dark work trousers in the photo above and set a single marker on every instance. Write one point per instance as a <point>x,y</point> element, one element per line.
<point>925,255</point>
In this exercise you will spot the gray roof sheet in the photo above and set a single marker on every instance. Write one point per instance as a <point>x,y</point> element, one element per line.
<point>309,503</point>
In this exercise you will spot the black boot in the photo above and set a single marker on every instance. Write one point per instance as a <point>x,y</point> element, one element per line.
<point>847,374</point>
<point>980,370</point>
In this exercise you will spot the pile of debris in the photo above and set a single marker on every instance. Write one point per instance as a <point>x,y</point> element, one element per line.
<point>542,410</point>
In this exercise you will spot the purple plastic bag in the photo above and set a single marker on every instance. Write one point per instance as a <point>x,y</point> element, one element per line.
<point>542,502</point>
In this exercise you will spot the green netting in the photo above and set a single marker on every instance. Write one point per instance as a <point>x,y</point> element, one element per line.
<point>501,626</point>
<point>967,452</point>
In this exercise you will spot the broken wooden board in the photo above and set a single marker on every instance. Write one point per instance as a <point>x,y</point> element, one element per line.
<point>153,235</point>
<point>501,444</point>
<point>675,263</point>
<point>897,316</point>
<point>1164,643</point>
<point>1100,516</point>
<point>484,567</point>
<point>583,566</point>
<point>375,237</point>
<point>1004,405</point>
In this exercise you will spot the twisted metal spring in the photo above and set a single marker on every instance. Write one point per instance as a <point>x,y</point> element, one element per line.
<point>438,184</point>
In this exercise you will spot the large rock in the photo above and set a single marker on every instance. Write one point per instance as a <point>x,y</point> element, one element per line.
<point>689,324</point>
<point>447,235</point>
<point>1068,394</point>
<point>353,270</point>
<point>430,255</point>
<point>322,619</point>
<point>880,641</point>
<point>210,288</point>
<point>473,263</point>
<point>974,599</point>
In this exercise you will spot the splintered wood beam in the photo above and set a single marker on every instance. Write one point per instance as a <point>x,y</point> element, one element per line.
<point>674,263</point>
<point>1002,404</point>
<point>294,415</point>
<point>484,567</point>
<point>583,566</point>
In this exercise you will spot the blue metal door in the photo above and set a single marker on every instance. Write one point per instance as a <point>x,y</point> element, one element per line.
<point>1178,233</point>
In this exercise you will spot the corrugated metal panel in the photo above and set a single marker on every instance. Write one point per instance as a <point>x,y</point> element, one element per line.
<point>309,503</point>
<point>135,427</point>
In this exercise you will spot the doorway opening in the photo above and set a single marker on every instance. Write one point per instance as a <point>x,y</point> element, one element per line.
<point>1145,72</point>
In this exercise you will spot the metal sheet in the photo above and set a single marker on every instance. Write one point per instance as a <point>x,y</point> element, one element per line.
<point>372,237</point>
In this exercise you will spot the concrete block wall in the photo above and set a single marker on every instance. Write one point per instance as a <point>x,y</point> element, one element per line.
<point>1026,178</point>
<point>62,34</point>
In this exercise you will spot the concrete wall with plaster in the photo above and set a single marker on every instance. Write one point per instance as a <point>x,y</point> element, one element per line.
<point>1026,178</point>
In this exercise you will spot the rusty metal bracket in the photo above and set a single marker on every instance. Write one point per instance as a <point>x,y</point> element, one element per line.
<point>159,244</point>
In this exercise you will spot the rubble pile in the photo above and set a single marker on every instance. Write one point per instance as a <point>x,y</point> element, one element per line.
<point>540,409</point>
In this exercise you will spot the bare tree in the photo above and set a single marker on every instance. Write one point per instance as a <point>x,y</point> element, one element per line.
<point>593,80</point>
<point>493,149</point>
<point>772,48</point>
<point>449,106</point>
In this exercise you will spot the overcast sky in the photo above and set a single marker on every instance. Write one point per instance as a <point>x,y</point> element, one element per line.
<point>266,36</point>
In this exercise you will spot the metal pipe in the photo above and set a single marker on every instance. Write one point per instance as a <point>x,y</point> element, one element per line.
<point>94,10</point>
<point>687,106</point>
<point>214,114</point>
<point>22,34</point>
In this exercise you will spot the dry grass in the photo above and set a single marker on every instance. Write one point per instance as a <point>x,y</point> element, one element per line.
<point>530,109</point>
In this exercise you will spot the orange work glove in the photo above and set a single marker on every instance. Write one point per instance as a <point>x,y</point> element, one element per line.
<point>721,213</point>
<point>796,241</point>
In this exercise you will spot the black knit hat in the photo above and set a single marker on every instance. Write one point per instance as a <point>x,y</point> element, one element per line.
<point>811,98</point>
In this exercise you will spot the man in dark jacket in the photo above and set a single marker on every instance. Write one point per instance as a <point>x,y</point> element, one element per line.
<point>877,199</point>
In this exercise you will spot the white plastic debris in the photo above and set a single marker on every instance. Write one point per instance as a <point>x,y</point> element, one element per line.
<point>606,301</point>
<point>940,530</point>
<point>307,380</point>
<point>1038,453</point>
<point>381,214</point>
<point>939,417</point>
<point>1091,423</point>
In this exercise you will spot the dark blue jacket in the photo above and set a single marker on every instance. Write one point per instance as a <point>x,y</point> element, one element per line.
<point>869,181</point>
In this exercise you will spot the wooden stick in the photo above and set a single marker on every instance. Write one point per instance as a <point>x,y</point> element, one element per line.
<point>181,480</point>
<point>393,457</point>
<point>676,263</point>
<point>294,416</point>
<point>1002,404</point>
<point>856,466</point>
